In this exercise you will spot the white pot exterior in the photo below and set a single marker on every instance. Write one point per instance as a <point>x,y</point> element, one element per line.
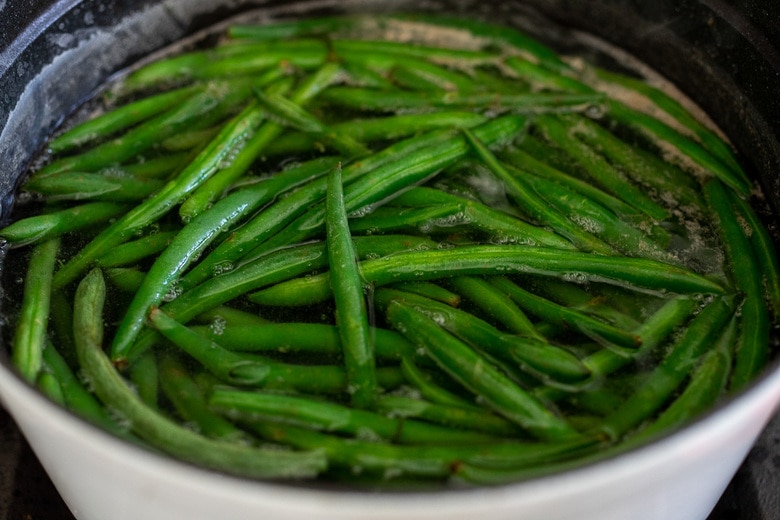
<point>678,478</point>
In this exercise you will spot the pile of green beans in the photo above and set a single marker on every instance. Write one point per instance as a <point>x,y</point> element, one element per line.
<point>318,250</point>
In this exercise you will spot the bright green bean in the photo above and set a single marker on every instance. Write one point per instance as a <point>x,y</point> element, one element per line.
<point>29,338</point>
<point>159,430</point>
<point>476,374</point>
<point>351,309</point>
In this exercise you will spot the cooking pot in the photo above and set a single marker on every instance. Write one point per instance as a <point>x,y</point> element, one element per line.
<point>53,55</point>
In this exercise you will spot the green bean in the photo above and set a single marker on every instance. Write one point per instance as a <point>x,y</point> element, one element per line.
<point>40,228</point>
<point>394,101</point>
<point>476,374</point>
<point>707,383</point>
<point>296,338</point>
<point>193,239</point>
<point>132,252</point>
<point>222,316</point>
<point>275,266</point>
<point>428,388</point>
<point>118,119</point>
<point>496,304</point>
<point>295,116</point>
<point>671,371</point>
<point>559,132</point>
<point>323,379</point>
<point>753,343</point>
<point>232,368</point>
<point>454,416</point>
<point>227,61</point>
<point>386,182</point>
<point>708,138</point>
<point>531,204</point>
<point>321,415</point>
<point>30,333</point>
<point>429,290</point>
<point>190,403</point>
<point>522,160</point>
<point>48,385</point>
<point>541,77</point>
<point>319,26</point>
<point>126,279</point>
<point>368,130</point>
<point>764,251</point>
<point>667,182</point>
<point>157,429</point>
<point>143,375</point>
<point>75,396</point>
<point>535,356</point>
<point>639,273</point>
<point>570,295</point>
<point>109,186</point>
<point>208,161</point>
<point>375,49</point>
<point>499,226</point>
<point>160,167</point>
<point>418,74</point>
<point>598,220</point>
<point>212,188</point>
<point>683,149</point>
<point>276,216</point>
<point>393,219</point>
<point>351,308</point>
<point>502,36</point>
<point>205,108</point>
<point>551,312</point>
<point>190,140</point>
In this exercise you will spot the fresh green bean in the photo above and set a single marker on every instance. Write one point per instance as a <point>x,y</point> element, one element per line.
<point>119,118</point>
<point>671,371</point>
<point>300,337</point>
<point>368,130</point>
<point>496,304</point>
<point>558,131</point>
<point>40,228</point>
<point>48,385</point>
<point>157,429</point>
<point>206,107</point>
<point>500,227</point>
<point>535,356</point>
<point>387,182</point>
<point>476,374</point>
<point>351,309</point>
<point>707,383</point>
<point>30,334</point>
<point>454,416</point>
<point>208,161</point>
<point>763,249</point>
<point>395,101</point>
<point>428,388</point>
<point>193,239</point>
<point>143,375</point>
<point>429,290</point>
<point>75,396</point>
<point>276,216</point>
<point>273,267</point>
<point>753,343</point>
<point>190,403</point>
<point>136,250</point>
<point>567,317</point>
<point>684,149</point>
<point>640,273</point>
<point>707,137</point>
<point>531,204</point>
<point>321,415</point>
<point>107,186</point>
<point>254,144</point>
